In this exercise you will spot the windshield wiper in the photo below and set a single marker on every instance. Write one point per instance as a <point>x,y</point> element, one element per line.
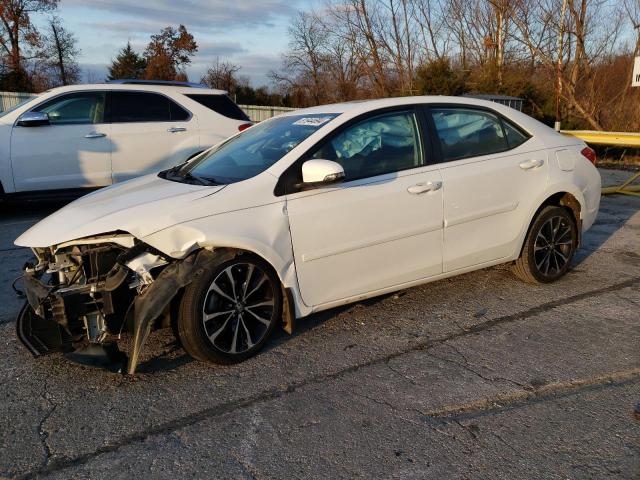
<point>195,178</point>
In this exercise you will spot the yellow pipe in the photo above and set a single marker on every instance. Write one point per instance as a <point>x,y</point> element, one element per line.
<point>620,139</point>
<point>626,188</point>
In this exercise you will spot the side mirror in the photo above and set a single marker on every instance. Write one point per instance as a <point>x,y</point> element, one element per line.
<point>33,119</point>
<point>321,172</point>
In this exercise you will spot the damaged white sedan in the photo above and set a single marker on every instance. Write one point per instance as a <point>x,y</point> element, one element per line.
<point>304,212</point>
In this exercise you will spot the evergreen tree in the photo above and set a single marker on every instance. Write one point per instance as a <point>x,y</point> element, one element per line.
<point>128,64</point>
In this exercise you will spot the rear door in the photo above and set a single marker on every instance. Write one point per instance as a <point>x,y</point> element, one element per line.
<point>71,152</point>
<point>382,227</point>
<point>490,180</point>
<point>149,132</point>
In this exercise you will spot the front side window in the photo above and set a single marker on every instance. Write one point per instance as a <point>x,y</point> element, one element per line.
<point>252,151</point>
<point>467,133</point>
<point>74,108</point>
<point>131,107</point>
<point>384,144</point>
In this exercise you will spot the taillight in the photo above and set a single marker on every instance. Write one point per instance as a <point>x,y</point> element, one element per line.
<point>589,154</point>
<point>244,126</point>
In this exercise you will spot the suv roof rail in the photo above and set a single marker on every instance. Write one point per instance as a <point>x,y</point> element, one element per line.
<point>168,83</point>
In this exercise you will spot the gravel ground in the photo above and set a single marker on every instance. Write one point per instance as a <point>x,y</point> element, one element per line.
<point>477,376</point>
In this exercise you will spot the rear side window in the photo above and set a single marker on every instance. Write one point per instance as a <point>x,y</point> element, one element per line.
<point>129,107</point>
<point>464,133</point>
<point>221,104</point>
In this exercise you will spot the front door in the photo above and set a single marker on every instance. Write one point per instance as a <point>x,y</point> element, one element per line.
<point>382,227</point>
<point>73,151</point>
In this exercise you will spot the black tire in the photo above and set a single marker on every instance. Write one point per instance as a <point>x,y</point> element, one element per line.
<point>549,247</point>
<point>242,316</point>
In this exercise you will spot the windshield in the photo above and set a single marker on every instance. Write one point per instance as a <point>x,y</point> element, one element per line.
<point>251,152</point>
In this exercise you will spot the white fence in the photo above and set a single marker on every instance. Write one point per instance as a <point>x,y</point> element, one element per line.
<point>8,100</point>
<point>256,113</point>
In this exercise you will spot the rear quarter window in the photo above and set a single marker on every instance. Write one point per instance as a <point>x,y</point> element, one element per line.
<point>221,104</point>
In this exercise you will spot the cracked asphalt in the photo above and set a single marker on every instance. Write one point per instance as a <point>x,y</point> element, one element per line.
<point>477,376</point>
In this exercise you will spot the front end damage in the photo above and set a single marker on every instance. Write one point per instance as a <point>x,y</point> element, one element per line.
<point>83,295</point>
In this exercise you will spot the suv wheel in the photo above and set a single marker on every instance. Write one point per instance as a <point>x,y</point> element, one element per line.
<point>229,312</point>
<point>549,247</point>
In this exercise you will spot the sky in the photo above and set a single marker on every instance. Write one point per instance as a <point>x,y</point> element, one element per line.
<point>250,33</point>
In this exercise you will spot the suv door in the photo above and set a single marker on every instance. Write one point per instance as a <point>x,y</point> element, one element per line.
<point>72,151</point>
<point>490,182</point>
<point>382,226</point>
<point>150,132</point>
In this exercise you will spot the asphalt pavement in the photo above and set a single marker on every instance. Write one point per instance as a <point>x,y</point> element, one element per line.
<point>476,376</point>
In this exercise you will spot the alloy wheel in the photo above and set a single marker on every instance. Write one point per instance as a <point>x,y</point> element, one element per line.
<point>238,308</point>
<point>553,246</point>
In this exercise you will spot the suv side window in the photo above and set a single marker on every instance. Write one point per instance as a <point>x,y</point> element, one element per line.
<point>128,107</point>
<point>467,132</point>
<point>383,144</point>
<point>74,108</point>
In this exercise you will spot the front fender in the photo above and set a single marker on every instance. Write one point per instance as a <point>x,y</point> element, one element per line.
<point>262,230</point>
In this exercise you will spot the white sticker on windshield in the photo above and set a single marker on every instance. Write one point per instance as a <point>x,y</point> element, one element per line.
<point>312,121</point>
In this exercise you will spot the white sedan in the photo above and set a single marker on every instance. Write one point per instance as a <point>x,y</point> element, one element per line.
<point>307,211</point>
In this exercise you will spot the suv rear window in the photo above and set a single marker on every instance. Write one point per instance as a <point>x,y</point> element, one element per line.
<point>221,104</point>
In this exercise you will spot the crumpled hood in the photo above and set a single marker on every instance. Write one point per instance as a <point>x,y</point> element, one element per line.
<point>140,207</point>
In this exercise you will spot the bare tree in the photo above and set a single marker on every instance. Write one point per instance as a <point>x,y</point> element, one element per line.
<point>222,75</point>
<point>60,52</point>
<point>20,40</point>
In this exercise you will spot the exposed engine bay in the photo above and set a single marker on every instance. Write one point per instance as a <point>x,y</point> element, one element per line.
<point>86,293</point>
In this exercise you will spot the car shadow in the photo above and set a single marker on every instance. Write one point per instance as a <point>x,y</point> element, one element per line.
<point>174,357</point>
<point>615,211</point>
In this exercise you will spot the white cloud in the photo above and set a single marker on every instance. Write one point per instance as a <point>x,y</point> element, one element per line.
<point>196,14</point>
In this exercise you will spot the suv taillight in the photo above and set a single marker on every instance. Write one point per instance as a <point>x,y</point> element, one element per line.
<point>244,126</point>
<point>589,154</point>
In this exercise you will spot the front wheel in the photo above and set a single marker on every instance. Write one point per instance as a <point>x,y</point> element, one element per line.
<point>549,246</point>
<point>228,313</point>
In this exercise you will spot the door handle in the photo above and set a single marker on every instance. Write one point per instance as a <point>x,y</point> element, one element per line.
<point>530,164</point>
<point>176,129</point>
<point>95,135</point>
<point>419,188</point>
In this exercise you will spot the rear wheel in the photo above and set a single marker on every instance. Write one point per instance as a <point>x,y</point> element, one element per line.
<point>549,247</point>
<point>228,313</point>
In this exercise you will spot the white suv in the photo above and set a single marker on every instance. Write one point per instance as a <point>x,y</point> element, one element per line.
<point>89,136</point>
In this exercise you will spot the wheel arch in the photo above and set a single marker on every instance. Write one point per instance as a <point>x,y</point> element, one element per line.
<point>568,197</point>
<point>291,300</point>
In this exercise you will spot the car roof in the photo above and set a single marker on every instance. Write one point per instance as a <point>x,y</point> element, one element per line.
<point>352,109</point>
<point>168,89</point>
<point>363,106</point>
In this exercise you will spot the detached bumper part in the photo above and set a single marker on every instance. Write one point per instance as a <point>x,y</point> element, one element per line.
<point>41,336</point>
<point>51,320</point>
<point>151,303</point>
